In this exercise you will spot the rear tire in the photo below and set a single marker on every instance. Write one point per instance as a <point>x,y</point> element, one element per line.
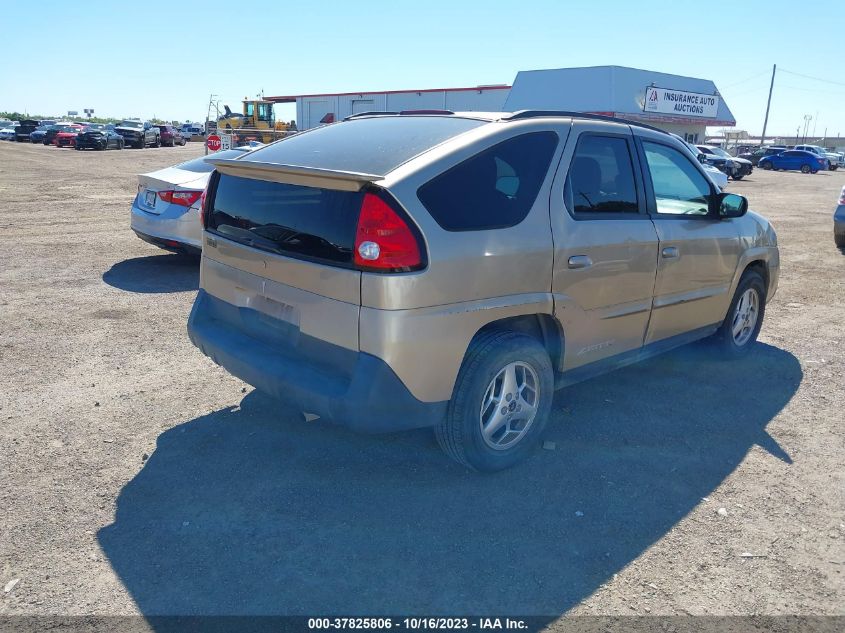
<point>738,332</point>
<point>839,238</point>
<point>738,176</point>
<point>505,371</point>
<point>805,169</point>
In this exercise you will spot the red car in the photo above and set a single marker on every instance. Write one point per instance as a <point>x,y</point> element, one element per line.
<point>170,136</point>
<point>67,136</point>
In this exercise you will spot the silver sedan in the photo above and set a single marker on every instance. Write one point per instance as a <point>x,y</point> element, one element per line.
<point>166,209</point>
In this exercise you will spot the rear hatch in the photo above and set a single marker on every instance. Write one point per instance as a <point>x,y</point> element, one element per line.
<point>284,227</point>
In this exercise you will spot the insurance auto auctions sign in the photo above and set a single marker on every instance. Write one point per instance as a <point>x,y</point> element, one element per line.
<point>680,103</point>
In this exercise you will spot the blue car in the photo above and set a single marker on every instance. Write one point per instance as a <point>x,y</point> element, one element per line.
<point>794,159</point>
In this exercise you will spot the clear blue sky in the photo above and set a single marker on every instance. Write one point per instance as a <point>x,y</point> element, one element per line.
<point>96,55</point>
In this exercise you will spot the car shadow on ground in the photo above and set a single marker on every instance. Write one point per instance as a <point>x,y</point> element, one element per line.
<point>248,510</point>
<point>170,272</point>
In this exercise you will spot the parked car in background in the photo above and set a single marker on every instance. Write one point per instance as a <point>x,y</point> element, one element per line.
<point>7,132</point>
<point>67,137</point>
<point>719,178</point>
<point>137,134</point>
<point>54,130</point>
<point>165,211</point>
<point>509,258</point>
<point>839,221</point>
<point>190,130</point>
<point>754,156</point>
<point>170,136</point>
<point>795,159</point>
<point>832,158</point>
<point>37,135</point>
<point>47,122</point>
<point>99,140</point>
<point>24,129</point>
<point>740,166</point>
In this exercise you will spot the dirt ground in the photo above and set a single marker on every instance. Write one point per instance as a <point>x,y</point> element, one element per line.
<point>138,477</point>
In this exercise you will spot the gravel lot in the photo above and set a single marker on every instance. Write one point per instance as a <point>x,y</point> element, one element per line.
<point>137,477</point>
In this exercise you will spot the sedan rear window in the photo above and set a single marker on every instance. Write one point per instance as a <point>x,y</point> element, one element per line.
<point>302,222</point>
<point>370,146</point>
<point>201,166</point>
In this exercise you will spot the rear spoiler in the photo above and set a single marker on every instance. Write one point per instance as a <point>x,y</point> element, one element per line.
<point>294,174</point>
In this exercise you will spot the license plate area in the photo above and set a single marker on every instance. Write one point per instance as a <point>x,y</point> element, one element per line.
<point>150,198</point>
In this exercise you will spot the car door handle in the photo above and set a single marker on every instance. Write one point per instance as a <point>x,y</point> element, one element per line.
<point>670,252</point>
<point>580,261</point>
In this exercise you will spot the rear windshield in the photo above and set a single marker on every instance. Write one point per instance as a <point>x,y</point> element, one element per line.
<point>200,166</point>
<point>369,146</point>
<point>303,222</point>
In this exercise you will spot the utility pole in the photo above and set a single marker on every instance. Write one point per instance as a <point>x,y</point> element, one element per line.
<point>768,105</point>
<point>807,119</point>
<point>207,116</point>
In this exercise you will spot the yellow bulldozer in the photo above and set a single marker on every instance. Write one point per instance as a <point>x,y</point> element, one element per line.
<point>257,123</point>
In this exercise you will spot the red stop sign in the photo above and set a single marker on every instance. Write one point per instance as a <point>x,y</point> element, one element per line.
<point>213,143</point>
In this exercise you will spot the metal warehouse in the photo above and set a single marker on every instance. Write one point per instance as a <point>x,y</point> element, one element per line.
<point>316,109</point>
<point>683,105</point>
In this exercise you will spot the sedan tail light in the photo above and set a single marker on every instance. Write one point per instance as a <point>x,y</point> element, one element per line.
<point>842,196</point>
<point>182,198</point>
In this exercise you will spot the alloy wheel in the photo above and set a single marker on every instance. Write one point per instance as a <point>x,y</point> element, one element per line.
<point>745,317</point>
<point>509,405</point>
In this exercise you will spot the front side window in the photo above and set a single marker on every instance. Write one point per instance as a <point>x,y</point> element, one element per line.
<point>679,188</point>
<point>601,177</point>
<point>494,189</point>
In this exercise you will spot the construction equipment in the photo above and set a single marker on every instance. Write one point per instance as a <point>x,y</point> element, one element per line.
<point>256,123</point>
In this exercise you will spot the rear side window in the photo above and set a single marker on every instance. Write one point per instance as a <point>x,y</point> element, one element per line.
<point>303,222</point>
<point>601,177</point>
<point>495,188</point>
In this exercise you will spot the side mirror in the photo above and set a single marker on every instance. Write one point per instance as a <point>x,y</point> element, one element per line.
<point>732,205</point>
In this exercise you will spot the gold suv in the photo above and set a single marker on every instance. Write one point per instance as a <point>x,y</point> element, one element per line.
<point>412,269</point>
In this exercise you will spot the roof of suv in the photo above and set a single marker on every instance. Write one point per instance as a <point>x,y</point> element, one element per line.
<point>393,138</point>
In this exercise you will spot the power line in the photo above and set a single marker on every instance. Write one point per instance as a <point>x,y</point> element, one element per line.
<point>827,81</point>
<point>765,72</point>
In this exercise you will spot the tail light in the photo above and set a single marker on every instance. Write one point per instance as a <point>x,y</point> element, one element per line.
<point>384,239</point>
<point>182,198</point>
<point>203,199</point>
<point>842,196</point>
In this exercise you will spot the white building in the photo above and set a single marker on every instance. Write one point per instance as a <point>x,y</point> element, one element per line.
<point>317,109</point>
<point>683,105</point>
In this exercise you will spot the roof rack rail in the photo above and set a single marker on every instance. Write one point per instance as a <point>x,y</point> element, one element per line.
<point>531,114</point>
<point>358,115</point>
<point>412,112</point>
<point>370,113</point>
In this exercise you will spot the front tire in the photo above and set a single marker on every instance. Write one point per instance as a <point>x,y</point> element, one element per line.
<point>500,404</point>
<point>767,166</point>
<point>741,326</point>
<point>738,176</point>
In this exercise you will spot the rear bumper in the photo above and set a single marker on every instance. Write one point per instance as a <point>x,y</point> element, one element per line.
<point>160,229</point>
<point>353,389</point>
